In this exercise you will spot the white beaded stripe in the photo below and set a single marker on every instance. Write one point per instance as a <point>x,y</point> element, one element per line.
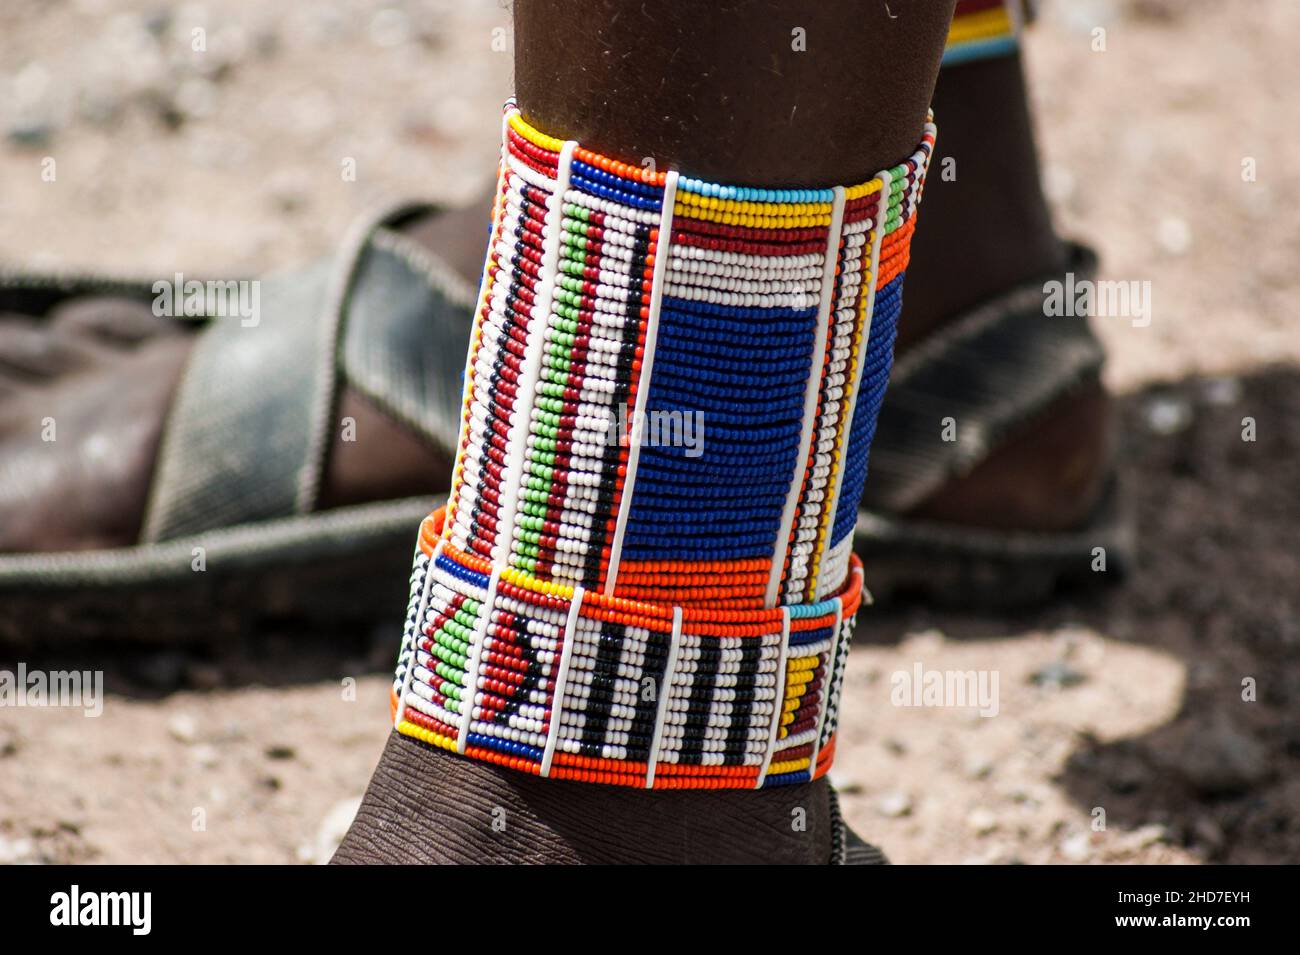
<point>824,703</point>
<point>666,681</point>
<point>662,250</point>
<point>419,573</point>
<point>812,503</point>
<point>416,633</point>
<point>512,473</point>
<point>810,399</point>
<point>785,650</point>
<point>868,313</point>
<point>472,664</point>
<point>561,679</point>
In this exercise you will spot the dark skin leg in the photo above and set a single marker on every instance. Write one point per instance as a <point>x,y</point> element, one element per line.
<point>1048,475</point>
<point>744,108</point>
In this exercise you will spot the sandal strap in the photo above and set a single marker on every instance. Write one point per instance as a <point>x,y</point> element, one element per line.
<point>247,435</point>
<point>992,370</point>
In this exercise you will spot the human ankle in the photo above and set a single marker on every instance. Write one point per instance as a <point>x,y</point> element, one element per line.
<point>987,223</point>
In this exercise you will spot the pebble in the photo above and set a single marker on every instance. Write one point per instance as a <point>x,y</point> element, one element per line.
<point>982,821</point>
<point>14,851</point>
<point>894,805</point>
<point>1167,415</point>
<point>1058,675</point>
<point>1222,392</point>
<point>30,133</point>
<point>205,755</point>
<point>1077,848</point>
<point>1174,235</point>
<point>979,767</point>
<point>184,728</point>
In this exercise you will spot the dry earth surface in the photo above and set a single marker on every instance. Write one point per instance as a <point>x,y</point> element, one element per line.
<point>1123,706</point>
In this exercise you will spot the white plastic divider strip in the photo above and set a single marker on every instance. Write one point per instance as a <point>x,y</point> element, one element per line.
<point>778,706</point>
<point>561,681</point>
<point>825,703</point>
<point>837,481</point>
<point>475,656</point>
<point>476,328</point>
<point>662,243</point>
<point>665,692</point>
<point>809,398</point>
<point>539,315</point>
<point>416,633</point>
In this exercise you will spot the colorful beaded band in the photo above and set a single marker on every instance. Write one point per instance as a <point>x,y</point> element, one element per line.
<point>597,604</point>
<point>983,29</point>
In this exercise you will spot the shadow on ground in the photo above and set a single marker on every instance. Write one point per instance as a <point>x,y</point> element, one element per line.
<point>1216,585</point>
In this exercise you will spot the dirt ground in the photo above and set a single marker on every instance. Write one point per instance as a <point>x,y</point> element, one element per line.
<point>1121,735</point>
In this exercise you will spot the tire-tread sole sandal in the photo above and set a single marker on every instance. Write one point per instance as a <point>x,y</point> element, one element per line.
<point>993,370</point>
<point>232,537</point>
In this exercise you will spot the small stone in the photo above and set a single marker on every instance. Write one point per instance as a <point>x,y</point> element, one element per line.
<point>30,133</point>
<point>1167,415</point>
<point>15,851</point>
<point>1145,836</point>
<point>280,752</point>
<point>1222,392</point>
<point>979,767</point>
<point>8,742</point>
<point>894,805</point>
<point>1058,675</point>
<point>844,785</point>
<point>184,728</point>
<point>205,755</point>
<point>982,821</point>
<point>1174,235</point>
<point>1077,848</point>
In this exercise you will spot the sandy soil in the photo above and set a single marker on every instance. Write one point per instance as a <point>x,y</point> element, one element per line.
<point>1123,706</point>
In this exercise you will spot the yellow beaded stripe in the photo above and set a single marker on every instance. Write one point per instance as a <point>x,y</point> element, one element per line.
<point>981,26</point>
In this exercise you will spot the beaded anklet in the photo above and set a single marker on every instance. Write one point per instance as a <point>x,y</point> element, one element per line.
<point>984,29</point>
<point>601,604</point>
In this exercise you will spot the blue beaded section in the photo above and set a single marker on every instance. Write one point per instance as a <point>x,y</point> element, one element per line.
<point>471,577</point>
<point>746,387</point>
<point>803,638</point>
<point>753,193</point>
<point>506,746</point>
<point>878,360</point>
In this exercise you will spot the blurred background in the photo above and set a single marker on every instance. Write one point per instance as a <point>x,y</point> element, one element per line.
<point>227,161</point>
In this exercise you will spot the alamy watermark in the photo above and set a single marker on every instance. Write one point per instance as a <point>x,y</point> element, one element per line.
<point>131,909</point>
<point>1080,298</point>
<point>659,429</point>
<point>946,688</point>
<point>179,297</point>
<point>83,689</point>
